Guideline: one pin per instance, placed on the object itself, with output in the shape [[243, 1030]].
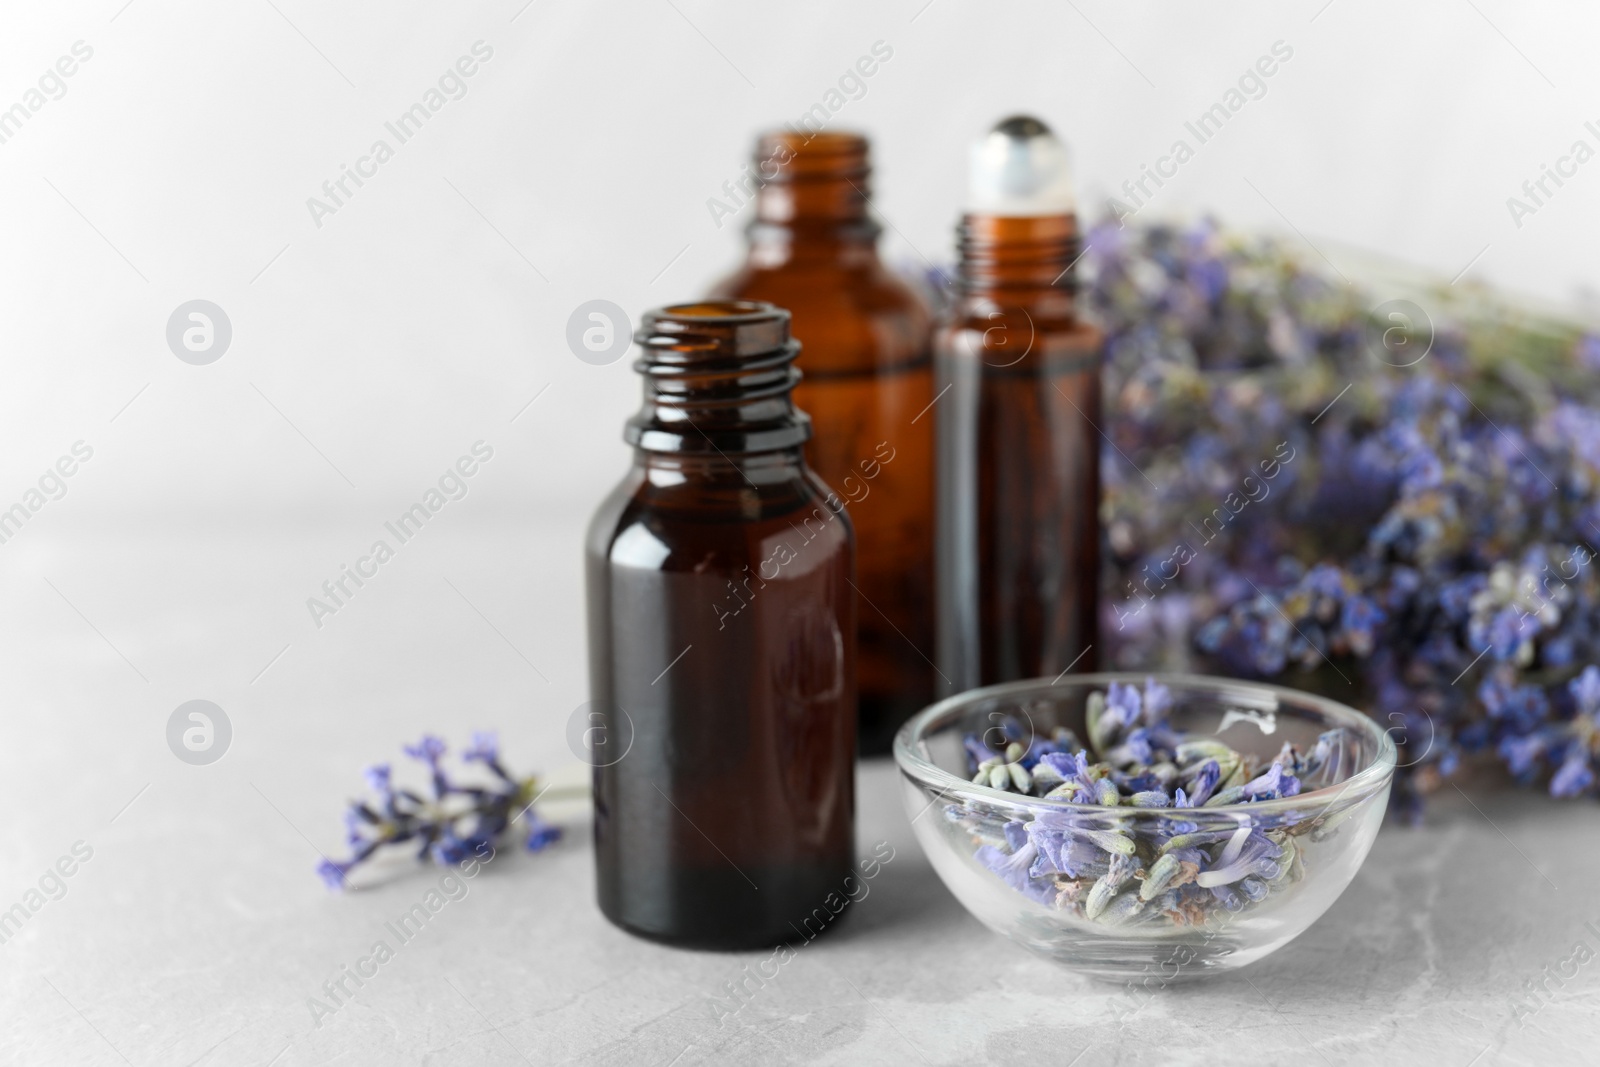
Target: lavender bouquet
[[1393, 503]]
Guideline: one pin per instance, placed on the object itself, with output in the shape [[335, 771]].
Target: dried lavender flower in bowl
[[1159, 826]]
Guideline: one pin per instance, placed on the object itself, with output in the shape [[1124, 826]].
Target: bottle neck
[[1014, 259], [846, 245], [735, 471], [811, 200], [718, 378]]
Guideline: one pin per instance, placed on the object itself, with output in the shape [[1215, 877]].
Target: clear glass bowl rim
[[1371, 777]]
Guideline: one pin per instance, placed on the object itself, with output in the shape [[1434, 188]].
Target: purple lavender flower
[[1204, 782], [1157, 702], [1398, 539], [1271, 785], [1523, 754], [1061, 850], [1250, 852], [484, 748], [378, 778], [1574, 776], [459, 822], [1588, 351], [332, 873], [430, 750], [1585, 690], [1013, 869], [1122, 706], [1080, 855], [1136, 748], [540, 834], [1072, 769], [1228, 897], [1360, 617], [1326, 581]]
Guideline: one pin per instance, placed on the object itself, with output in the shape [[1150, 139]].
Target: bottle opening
[[819, 178], [717, 378], [690, 332], [798, 155], [717, 309]]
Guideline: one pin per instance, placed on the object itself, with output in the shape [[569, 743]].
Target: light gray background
[[369, 353]]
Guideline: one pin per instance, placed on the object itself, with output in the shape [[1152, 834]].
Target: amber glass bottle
[[721, 646], [1018, 449], [867, 385]]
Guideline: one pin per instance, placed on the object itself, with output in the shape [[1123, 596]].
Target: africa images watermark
[[1252, 85], [784, 553], [51, 85], [1542, 189], [199, 332], [1537, 992], [338, 591], [336, 192], [853, 889], [199, 732], [852, 85], [405, 928], [52, 886], [52, 485], [1254, 490], [1533, 599]]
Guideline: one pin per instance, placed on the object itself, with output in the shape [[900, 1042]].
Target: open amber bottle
[[867, 386], [721, 646]]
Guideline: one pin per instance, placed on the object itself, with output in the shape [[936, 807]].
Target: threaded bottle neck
[[717, 379], [1017, 252], [812, 186]]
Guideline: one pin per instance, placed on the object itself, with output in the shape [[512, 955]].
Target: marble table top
[[192, 930]]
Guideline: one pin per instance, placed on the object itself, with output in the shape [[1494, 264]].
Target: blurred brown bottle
[[1018, 449], [867, 385]]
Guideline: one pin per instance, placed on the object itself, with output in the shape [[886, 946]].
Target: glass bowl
[[999, 851]]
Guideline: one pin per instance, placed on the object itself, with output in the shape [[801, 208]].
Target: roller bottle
[[1018, 449]]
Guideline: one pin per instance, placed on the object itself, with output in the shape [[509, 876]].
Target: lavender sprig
[[456, 822]]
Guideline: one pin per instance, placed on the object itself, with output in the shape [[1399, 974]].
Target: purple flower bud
[[1122, 705], [485, 748], [448, 851], [1012, 869], [332, 874], [1204, 783], [1585, 689], [540, 834], [977, 752], [1575, 775], [1157, 701], [378, 778], [430, 750], [1248, 853]]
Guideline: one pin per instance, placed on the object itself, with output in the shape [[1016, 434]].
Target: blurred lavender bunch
[[456, 823], [1399, 511]]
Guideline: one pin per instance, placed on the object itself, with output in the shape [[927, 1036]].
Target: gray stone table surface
[[196, 933]]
